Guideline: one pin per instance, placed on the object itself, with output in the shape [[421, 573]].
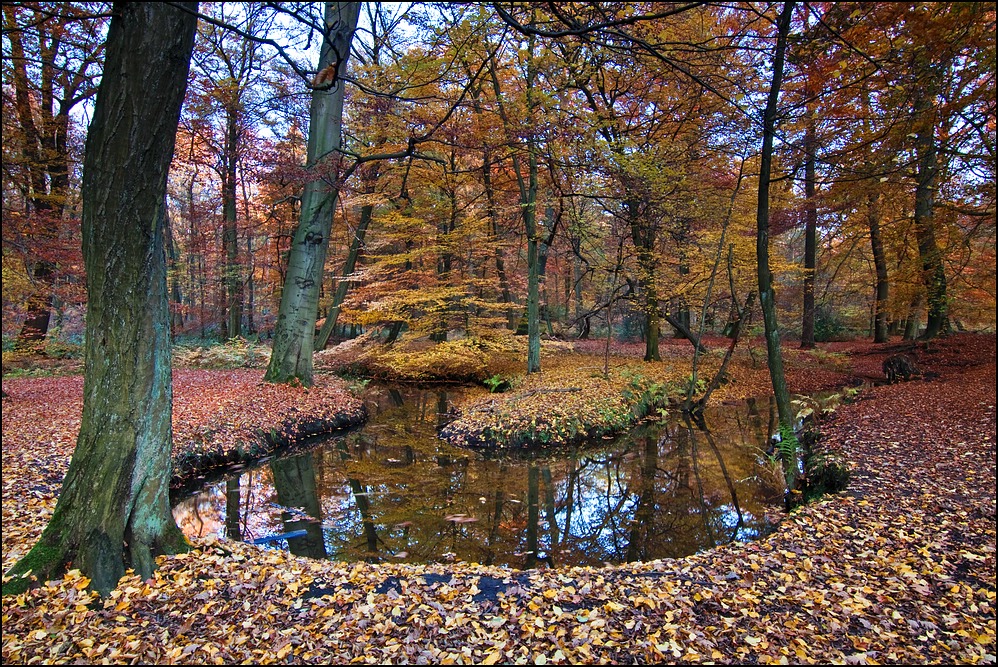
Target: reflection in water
[[294, 482], [393, 490]]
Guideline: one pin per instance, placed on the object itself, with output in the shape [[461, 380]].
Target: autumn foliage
[[587, 173], [900, 568]]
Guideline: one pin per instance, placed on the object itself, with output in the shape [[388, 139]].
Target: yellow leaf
[[492, 658]]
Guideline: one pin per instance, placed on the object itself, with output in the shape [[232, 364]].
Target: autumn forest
[[635, 145], [221, 221]]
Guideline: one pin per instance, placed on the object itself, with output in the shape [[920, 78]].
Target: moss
[[826, 473], [42, 560], [547, 416]]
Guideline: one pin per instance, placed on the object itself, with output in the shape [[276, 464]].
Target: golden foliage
[[899, 570]]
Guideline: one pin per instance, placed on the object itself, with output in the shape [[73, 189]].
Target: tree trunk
[[291, 358], [36, 323], [810, 237], [577, 288], [767, 295], [172, 261], [643, 237], [681, 312], [880, 334], [715, 382], [528, 202], [933, 273], [233, 278], [527, 185], [114, 511], [353, 254], [911, 323]]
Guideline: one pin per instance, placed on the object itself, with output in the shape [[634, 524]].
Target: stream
[[391, 491]]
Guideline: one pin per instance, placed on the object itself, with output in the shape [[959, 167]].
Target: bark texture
[[113, 511], [294, 335]]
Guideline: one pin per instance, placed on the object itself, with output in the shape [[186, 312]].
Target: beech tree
[[114, 511], [291, 359]]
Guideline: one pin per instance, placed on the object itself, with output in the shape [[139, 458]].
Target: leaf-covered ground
[[571, 400], [900, 568], [219, 417]]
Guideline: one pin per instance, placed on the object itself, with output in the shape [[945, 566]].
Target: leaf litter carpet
[[899, 568]]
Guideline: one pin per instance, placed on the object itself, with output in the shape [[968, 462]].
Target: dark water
[[392, 491]]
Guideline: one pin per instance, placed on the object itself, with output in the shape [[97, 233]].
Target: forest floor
[[899, 568]]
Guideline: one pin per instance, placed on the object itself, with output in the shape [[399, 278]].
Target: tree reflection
[[644, 511], [361, 496], [294, 482], [232, 530], [393, 489]]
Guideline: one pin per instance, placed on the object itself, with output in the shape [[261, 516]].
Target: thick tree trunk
[[767, 295], [291, 359], [113, 511]]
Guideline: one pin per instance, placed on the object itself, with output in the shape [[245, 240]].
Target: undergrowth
[[234, 353], [559, 412]]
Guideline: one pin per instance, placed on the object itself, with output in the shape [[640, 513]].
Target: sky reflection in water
[[392, 491]]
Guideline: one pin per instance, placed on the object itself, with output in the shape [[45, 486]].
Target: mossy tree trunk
[[114, 511], [294, 334], [767, 295]]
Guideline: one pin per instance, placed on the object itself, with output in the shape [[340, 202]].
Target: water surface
[[392, 491]]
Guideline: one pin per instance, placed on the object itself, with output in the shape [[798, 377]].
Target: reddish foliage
[[219, 417], [899, 568]]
